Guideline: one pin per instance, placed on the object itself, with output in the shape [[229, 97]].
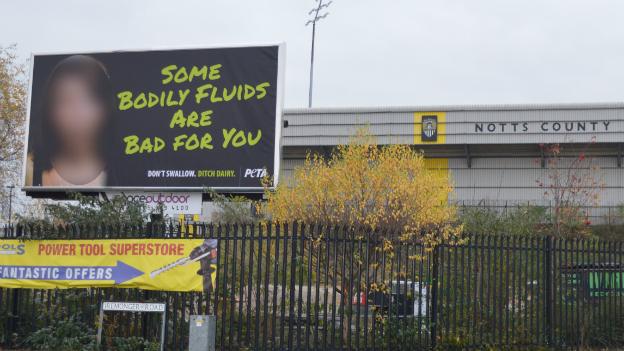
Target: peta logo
[[255, 173], [12, 249]]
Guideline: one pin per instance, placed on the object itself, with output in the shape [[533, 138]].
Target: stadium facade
[[494, 154]]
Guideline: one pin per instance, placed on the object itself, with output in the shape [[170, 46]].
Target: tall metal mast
[[317, 16]]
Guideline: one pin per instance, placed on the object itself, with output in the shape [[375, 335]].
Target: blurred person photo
[[73, 125]]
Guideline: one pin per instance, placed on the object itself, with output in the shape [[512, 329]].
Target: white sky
[[369, 53]]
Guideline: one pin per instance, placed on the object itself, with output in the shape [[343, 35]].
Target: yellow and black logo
[[429, 127], [429, 130]]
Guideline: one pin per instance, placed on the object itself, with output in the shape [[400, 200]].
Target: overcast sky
[[369, 53]]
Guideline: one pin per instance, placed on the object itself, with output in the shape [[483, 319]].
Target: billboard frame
[[279, 117]]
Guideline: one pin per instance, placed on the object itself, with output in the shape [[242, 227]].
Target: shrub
[[63, 335], [134, 344], [523, 220]]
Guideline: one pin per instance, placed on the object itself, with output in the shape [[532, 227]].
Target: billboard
[[152, 264], [162, 119]]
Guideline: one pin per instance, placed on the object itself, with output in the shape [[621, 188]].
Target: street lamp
[[317, 17]]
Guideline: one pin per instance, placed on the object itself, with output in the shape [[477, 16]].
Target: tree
[[377, 196], [13, 96], [363, 184], [572, 184]]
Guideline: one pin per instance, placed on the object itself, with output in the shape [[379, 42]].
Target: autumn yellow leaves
[[364, 184]]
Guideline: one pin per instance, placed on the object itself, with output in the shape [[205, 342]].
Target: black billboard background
[[141, 72]]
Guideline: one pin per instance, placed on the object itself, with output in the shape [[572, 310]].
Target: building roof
[[475, 107]]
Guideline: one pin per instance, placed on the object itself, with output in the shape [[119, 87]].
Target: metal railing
[[312, 287]]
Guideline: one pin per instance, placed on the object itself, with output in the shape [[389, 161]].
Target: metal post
[[162, 330], [434, 296], [311, 65], [10, 203], [548, 289], [101, 321], [14, 310]]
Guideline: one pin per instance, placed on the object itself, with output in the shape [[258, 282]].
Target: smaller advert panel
[[173, 203], [151, 264]]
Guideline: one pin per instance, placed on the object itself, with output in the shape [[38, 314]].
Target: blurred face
[[77, 114]]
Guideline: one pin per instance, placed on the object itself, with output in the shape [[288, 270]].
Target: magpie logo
[[429, 128]]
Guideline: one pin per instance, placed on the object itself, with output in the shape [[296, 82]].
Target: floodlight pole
[[315, 11], [311, 66]]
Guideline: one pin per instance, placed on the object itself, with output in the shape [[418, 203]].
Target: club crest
[[429, 128]]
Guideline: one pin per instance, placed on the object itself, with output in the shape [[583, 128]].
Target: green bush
[[73, 335], [403, 335], [453, 343], [63, 335], [134, 344], [522, 220]]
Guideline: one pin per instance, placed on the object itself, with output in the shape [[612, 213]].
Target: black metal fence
[[302, 287]]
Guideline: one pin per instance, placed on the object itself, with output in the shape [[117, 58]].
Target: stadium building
[[494, 154]]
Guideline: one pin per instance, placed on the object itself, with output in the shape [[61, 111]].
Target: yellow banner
[[152, 264]]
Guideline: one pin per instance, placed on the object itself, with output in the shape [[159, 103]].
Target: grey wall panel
[[512, 179], [507, 179], [338, 140], [498, 194], [396, 125], [336, 128], [497, 162], [607, 197], [287, 168]]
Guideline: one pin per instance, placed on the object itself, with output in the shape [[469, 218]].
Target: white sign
[[133, 306], [174, 203]]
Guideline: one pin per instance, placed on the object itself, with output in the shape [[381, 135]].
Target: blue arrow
[[124, 272], [119, 273]]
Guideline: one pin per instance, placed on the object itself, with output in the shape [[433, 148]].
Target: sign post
[[110, 306]]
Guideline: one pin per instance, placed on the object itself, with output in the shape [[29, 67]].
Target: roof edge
[[456, 108]]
